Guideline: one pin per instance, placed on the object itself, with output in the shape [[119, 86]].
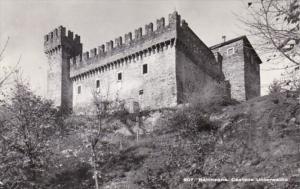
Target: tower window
[[230, 51], [98, 84], [145, 68], [251, 59], [79, 89], [119, 76], [141, 92]]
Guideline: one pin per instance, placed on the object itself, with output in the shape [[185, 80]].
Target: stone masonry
[[152, 69], [241, 66]]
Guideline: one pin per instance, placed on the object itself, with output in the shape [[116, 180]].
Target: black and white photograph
[[149, 94]]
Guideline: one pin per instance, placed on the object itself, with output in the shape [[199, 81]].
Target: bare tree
[[6, 72], [97, 130], [275, 23], [98, 133]]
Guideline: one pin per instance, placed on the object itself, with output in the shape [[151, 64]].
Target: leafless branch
[[3, 49], [276, 25], [12, 71]]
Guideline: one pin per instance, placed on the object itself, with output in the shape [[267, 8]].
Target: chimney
[[224, 38]]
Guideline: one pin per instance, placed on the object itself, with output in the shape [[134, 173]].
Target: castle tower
[[241, 67], [59, 48]]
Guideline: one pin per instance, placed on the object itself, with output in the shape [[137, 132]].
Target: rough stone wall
[[54, 78], [66, 84], [198, 52], [178, 62], [153, 90], [196, 65], [252, 72], [59, 85], [158, 85], [190, 77], [59, 48], [233, 68]]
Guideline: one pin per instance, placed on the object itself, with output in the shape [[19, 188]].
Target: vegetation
[[275, 87], [206, 138], [276, 24], [27, 125], [275, 27]]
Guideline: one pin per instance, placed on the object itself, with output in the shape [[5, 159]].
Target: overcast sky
[[97, 21]]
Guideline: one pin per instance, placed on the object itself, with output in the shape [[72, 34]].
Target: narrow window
[[252, 59], [141, 92], [98, 84], [230, 51], [119, 76], [79, 89], [145, 68]]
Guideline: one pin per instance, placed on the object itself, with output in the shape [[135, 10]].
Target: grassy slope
[[258, 138]]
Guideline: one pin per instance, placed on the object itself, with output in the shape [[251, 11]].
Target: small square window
[[141, 92], [145, 68], [230, 51], [78, 89], [119, 76], [98, 84]]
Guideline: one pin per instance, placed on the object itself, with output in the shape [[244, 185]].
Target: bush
[[190, 122], [180, 149], [72, 174], [26, 132], [275, 87]]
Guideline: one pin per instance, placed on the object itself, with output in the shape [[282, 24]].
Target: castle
[[154, 69]]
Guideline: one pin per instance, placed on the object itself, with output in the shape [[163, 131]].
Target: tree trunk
[[95, 169]]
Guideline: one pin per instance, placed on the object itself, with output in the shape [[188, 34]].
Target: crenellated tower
[[59, 48]]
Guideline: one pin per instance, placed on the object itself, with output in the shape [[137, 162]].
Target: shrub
[[26, 132], [275, 87]]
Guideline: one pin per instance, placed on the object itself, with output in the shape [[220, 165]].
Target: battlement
[[142, 40], [147, 42], [58, 39]]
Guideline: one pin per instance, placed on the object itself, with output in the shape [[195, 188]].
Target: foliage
[[276, 24], [179, 150], [71, 174], [289, 83], [291, 80], [94, 138], [275, 87], [27, 124]]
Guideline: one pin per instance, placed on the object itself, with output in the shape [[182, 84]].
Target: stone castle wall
[[252, 72], [59, 48], [233, 68], [54, 78], [241, 66], [196, 65], [155, 89], [176, 60], [151, 90]]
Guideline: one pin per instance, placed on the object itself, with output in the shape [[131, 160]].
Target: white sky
[[97, 21]]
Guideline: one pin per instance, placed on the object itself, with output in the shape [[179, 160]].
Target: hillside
[[256, 139]]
